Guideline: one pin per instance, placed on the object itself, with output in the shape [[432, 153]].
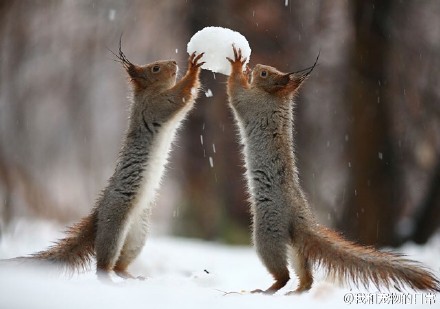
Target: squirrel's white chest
[[157, 161]]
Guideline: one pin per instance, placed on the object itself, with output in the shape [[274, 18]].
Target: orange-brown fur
[[76, 250], [349, 262]]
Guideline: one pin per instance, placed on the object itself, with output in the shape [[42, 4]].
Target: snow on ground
[[181, 273]]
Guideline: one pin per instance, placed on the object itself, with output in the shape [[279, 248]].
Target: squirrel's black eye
[[155, 69], [263, 73]]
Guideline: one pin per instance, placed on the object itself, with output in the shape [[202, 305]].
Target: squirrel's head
[[273, 81], [159, 75], [156, 76]]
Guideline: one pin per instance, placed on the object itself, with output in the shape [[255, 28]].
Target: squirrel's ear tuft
[[137, 77], [298, 77], [135, 72], [132, 70], [295, 80]]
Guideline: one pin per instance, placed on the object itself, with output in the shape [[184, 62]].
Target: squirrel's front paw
[[193, 62], [238, 58]]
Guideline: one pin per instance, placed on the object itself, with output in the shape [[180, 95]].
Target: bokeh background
[[367, 120]]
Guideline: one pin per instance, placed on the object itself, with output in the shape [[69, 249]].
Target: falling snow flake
[[111, 14], [208, 93]]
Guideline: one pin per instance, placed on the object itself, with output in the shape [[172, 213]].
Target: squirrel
[[284, 228], [115, 231]]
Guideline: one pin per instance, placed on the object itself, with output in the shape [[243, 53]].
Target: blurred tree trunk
[[214, 204], [414, 65], [5, 193], [371, 212], [428, 219]]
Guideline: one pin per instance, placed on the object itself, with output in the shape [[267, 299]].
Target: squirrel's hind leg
[[122, 272], [110, 236], [280, 282], [125, 259], [302, 269], [134, 242], [273, 255]]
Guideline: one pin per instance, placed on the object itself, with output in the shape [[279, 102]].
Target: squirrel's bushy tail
[[347, 261], [74, 252]]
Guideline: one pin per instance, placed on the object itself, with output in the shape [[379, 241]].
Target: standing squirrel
[[284, 227], [116, 229]]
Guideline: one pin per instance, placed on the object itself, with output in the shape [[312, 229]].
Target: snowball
[[216, 43]]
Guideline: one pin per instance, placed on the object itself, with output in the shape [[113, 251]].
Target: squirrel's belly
[[155, 168], [157, 161]]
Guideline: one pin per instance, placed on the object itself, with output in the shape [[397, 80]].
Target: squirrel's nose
[[174, 62]]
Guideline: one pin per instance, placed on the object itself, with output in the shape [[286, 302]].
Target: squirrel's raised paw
[[238, 58], [193, 60]]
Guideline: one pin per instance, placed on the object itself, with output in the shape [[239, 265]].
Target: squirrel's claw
[[237, 56], [198, 57], [194, 58]]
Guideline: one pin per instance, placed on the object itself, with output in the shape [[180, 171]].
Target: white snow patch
[[181, 273], [216, 43]]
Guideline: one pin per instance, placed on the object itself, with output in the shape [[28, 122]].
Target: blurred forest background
[[367, 121]]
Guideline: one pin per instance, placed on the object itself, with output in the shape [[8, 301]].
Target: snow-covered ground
[[181, 273]]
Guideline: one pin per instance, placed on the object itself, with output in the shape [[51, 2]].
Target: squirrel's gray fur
[[284, 228], [116, 229]]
